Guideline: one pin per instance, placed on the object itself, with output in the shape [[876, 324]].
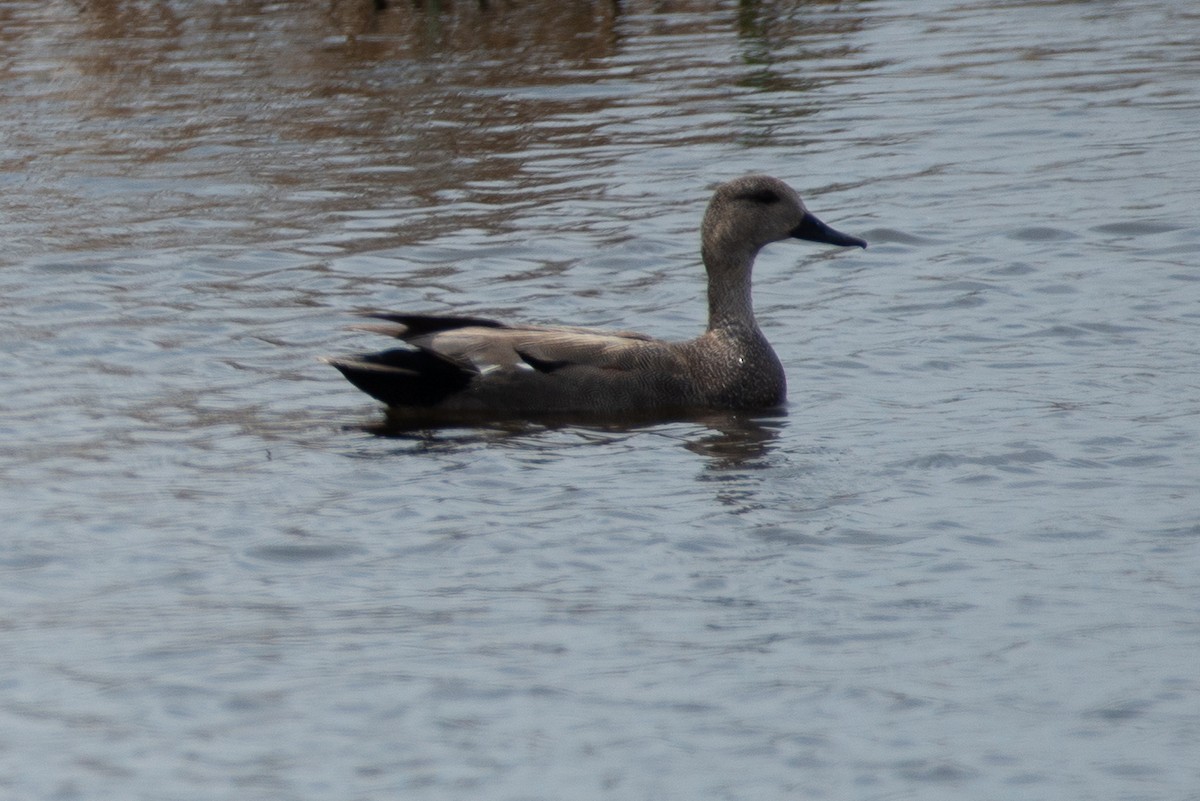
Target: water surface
[[962, 564]]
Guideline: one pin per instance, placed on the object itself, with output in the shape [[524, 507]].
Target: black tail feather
[[420, 324], [404, 377]]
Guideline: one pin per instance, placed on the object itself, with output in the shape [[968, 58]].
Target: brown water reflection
[[210, 573], [433, 91], [389, 127], [540, 32]]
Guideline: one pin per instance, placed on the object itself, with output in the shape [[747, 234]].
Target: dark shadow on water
[[738, 441], [728, 439]]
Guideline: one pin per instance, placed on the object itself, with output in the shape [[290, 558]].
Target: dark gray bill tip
[[813, 230]]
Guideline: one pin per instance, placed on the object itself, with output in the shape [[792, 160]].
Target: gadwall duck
[[469, 366]]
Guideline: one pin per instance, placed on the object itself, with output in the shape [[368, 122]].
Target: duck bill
[[814, 230]]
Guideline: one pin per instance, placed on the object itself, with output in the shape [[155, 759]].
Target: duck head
[[747, 213]]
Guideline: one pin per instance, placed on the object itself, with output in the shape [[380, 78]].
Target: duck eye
[[764, 196]]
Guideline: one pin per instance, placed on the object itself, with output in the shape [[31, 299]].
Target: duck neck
[[729, 301]]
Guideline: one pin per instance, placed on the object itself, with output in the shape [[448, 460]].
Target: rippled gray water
[[964, 564]]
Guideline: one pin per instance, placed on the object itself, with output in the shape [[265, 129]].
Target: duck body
[[470, 365], [467, 366]]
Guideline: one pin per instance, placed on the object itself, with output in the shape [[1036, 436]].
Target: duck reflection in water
[[730, 440]]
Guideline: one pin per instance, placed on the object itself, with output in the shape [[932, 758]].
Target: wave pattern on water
[[959, 564]]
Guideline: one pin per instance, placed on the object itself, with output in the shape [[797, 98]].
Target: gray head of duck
[[747, 213]]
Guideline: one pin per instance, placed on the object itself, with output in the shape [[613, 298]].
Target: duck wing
[[470, 363]]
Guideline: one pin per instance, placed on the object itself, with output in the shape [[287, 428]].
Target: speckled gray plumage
[[478, 366]]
